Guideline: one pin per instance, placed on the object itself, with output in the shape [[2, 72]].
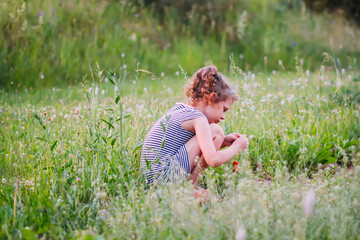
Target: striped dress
[[164, 156]]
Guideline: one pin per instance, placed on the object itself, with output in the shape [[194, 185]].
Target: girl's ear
[[212, 98]]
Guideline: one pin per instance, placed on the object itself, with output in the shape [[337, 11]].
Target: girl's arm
[[213, 157]]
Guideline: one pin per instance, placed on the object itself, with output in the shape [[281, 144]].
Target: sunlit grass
[[70, 161]]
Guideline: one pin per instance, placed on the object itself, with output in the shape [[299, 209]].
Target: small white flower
[[273, 72], [309, 202], [252, 77], [100, 73], [307, 73], [90, 90], [124, 66], [3, 180], [106, 79], [116, 89], [241, 56], [177, 73], [301, 61], [134, 82], [162, 74], [102, 92], [123, 55], [280, 63], [96, 91], [41, 75]]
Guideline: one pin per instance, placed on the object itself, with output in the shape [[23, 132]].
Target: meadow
[[70, 160], [82, 83]]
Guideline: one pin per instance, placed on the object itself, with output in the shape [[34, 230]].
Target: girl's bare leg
[[194, 151]]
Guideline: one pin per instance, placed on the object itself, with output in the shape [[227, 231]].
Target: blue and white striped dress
[[164, 156]]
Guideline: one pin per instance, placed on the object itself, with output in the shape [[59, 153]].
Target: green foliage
[[52, 43]]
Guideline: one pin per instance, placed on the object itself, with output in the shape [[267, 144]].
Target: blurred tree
[[348, 8]]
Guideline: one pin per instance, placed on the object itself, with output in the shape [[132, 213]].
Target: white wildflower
[[123, 55], [102, 92], [96, 91]]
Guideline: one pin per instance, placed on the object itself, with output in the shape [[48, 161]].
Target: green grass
[[51, 43], [69, 160]]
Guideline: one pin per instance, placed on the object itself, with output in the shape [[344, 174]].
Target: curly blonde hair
[[206, 81]]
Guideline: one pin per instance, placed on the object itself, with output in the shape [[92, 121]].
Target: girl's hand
[[229, 139], [242, 143]]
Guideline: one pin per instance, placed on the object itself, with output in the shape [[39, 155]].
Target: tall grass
[[48, 43]]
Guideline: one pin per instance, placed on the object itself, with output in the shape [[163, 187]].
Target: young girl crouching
[[191, 130]]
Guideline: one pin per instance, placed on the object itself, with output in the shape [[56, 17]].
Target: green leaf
[[117, 99], [163, 127], [125, 116], [112, 81], [148, 164], [42, 139], [163, 143], [113, 142], [331, 160], [137, 146], [110, 125], [54, 144], [87, 96], [351, 143]]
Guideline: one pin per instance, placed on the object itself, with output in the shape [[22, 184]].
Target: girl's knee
[[216, 130]]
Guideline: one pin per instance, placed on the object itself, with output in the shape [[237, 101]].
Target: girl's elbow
[[211, 162]]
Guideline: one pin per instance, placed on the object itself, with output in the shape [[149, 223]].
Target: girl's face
[[216, 112]]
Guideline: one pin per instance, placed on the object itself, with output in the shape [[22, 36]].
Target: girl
[[188, 139]]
